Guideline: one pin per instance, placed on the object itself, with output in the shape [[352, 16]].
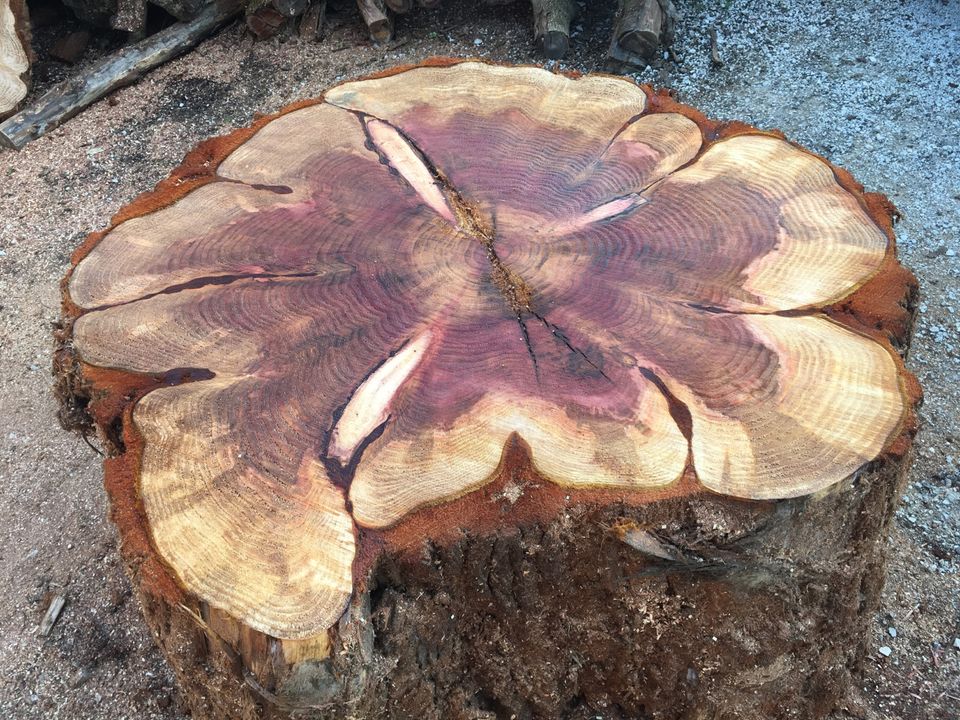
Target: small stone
[[956, 643], [892, 631], [79, 677], [478, 41], [951, 252], [885, 651]]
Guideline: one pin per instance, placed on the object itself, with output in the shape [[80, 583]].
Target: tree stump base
[[480, 392]]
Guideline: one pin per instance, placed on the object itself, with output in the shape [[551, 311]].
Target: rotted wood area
[[600, 409]]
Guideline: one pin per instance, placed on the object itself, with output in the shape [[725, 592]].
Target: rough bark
[[551, 26], [311, 24], [266, 18], [599, 410], [640, 29], [69, 48], [15, 55], [378, 21], [62, 102]]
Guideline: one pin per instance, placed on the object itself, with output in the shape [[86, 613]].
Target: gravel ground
[[873, 86]]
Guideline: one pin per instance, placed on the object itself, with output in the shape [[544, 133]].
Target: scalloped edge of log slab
[[742, 608], [16, 56]]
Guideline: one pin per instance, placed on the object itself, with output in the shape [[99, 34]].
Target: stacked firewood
[[640, 27]]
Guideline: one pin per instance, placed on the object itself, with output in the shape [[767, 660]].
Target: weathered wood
[[15, 55], [377, 19], [126, 66], [311, 23], [50, 617], [264, 19], [70, 47], [551, 26], [400, 6], [640, 28], [714, 52], [469, 389]]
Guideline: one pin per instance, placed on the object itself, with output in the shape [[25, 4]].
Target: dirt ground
[[873, 86]]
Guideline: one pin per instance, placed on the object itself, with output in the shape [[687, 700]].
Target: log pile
[[641, 25], [470, 391], [640, 28]]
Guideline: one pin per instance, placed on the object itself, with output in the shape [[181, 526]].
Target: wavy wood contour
[[325, 333], [15, 55]]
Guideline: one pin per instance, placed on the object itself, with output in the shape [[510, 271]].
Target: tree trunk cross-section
[[472, 391], [15, 55]]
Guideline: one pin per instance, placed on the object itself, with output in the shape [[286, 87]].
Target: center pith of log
[[375, 302]]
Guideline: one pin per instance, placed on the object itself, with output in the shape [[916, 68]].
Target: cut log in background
[[472, 391], [640, 28]]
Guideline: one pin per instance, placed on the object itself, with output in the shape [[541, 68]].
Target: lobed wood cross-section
[[368, 304], [15, 55]]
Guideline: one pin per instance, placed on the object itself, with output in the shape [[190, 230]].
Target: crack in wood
[[562, 337], [468, 219], [365, 414], [679, 410], [275, 189], [208, 281], [716, 310]]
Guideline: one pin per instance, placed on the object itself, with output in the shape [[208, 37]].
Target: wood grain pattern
[[371, 302], [15, 55]]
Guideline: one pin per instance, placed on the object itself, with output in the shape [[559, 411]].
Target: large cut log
[[15, 55], [470, 391]]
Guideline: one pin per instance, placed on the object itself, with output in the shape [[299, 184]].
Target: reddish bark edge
[[882, 308]]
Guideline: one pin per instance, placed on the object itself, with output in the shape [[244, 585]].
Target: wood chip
[[53, 612]]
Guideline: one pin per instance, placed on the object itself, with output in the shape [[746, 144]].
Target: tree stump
[[470, 391]]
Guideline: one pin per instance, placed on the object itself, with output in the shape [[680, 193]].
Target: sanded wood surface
[[15, 55], [329, 333]]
